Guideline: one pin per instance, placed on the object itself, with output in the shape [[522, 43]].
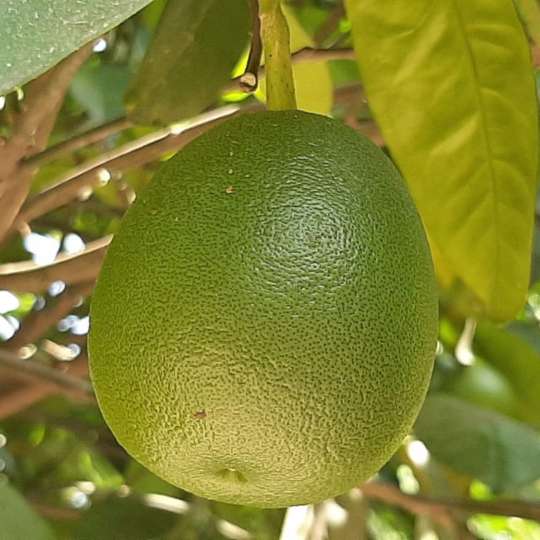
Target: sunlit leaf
[[452, 89], [196, 45], [36, 34], [501, 452]]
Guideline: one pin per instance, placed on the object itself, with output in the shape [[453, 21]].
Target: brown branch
[[44, 97], [43, 372], [418, 504], [37, 323], [142, 151], [81, 140], [82, 267], [36, 388], [130, 155], [250, 79], [23, 397], [303, 55]]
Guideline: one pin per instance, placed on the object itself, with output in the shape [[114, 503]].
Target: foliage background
[[471, 468]]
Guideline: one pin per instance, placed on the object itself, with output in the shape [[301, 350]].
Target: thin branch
[[37, 323], [418, 504], [133, 154], [303, 55], [82, 267], [23, 397], [250, 79], [44, 372], [145, 150], [81, 140], [44, 97]]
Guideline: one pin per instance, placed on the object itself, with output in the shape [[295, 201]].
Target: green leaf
[[501, 452], [17, 520], [518, 361], [36, 35], [190, 59], [452, 88], [100, 88], [124, 519]]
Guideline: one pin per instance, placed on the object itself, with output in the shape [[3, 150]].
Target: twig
[[38, 323], [36, 389], [82, 267], [419, 504], [145, 150], [303, 55], [44, 97], [81, 140], [41, 371], [250, 79], [133, 154]]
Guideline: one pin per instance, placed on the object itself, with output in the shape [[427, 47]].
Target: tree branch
[[418, 504], [43, 372], [250, 79], [44, 97], [82, 267], [79, 141], [130, 155], [37, 323]]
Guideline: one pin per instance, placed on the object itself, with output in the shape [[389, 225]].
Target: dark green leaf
[[36, 34], [17, 520], [501, 452], [124, 519], [451, 86], [195, 47]]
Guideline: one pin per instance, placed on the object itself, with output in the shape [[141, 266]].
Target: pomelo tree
[[270, 297]]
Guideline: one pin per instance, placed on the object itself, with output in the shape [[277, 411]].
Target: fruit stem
[[280, 93]]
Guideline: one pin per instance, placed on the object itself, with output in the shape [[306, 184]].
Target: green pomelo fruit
[[264, 326]]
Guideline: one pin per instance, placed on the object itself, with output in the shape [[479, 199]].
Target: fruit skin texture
[[264, 326]]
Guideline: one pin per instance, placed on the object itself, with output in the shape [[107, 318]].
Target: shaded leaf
[[124, 519], [17, 520], [196, 45], [452, 89], [100, 89], [36, 35], [518, 361], [501, 452]]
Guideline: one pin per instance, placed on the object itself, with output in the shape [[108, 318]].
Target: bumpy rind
[[264, 326]]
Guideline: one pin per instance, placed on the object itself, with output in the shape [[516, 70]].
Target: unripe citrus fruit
[[264, 326]]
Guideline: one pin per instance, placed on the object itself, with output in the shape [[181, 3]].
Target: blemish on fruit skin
[[200, 415], [229, 189]]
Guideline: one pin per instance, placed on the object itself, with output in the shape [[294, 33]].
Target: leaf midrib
[[485, 136]]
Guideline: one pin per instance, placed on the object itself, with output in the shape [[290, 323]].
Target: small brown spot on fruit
[[230, 189], [199, 415]]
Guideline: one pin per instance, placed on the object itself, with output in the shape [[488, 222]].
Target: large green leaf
[[517, 359], [194, 50], [501, 452], [451, 86], [17, 520], [36, 34]]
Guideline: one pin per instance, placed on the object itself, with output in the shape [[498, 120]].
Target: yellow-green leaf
[[451, 86]]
